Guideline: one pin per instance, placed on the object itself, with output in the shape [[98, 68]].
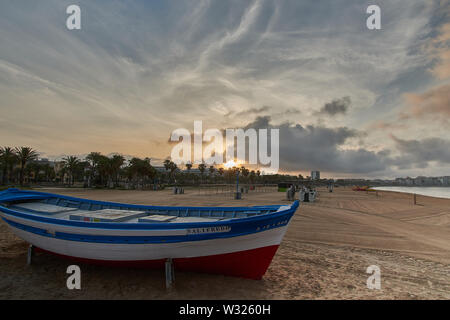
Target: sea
[[438, 192]]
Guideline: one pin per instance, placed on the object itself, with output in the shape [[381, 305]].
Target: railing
[[230, 189]]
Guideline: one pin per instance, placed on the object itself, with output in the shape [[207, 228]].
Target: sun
[[230, 164]]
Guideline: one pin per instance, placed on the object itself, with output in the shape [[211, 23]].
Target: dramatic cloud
[[305, 148], [434, 104], [336, 106], [418, 153]]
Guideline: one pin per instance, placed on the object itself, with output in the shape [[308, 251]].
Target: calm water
[[438, 192]]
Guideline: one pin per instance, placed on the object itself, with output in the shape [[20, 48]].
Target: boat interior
[[88, 211]]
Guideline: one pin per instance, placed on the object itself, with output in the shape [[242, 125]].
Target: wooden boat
[[358, 188], [236, 241], [365, 188]]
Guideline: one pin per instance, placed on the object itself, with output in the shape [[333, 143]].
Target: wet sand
[[324, 255]]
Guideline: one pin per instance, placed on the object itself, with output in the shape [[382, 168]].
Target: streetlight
[[237, 195]]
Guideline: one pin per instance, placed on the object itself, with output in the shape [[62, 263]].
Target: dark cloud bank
[[418, 153], [338, 106], [316, 147]]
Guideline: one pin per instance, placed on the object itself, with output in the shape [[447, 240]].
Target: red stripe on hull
[[251, 264]]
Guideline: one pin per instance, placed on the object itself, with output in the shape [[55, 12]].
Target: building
[[446, 181], [409, 181], [315, 175], [423, 181]]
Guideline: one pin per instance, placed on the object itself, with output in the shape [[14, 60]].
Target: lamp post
[[237, 195]]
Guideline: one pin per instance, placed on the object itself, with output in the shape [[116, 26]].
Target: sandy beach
[[324, 255]]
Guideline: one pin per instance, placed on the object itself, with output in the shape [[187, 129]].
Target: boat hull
[[246, 256], [250, 264]]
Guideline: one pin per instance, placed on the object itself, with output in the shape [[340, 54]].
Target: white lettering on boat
[[209, 230]]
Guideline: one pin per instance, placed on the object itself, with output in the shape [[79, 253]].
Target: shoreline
[[422, 191]]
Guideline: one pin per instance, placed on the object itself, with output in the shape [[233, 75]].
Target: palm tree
[[34, 169], [245, 172], [167, 164], [104, 170], [139, 169], [49, 172], [8, 158], [116, 162], [134, 169], [150, 172], [229, 174], [202, 169], [252, 176], [94, 159], [189, 167], [173, 167], [71, 163], [211, 170], [25, 155]]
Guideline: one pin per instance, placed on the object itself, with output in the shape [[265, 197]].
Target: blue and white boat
[[237, 241]]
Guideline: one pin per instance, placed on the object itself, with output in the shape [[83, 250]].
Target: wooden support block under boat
[[170, 273]]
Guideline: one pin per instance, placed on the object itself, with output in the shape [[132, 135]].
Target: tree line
[[20, 165]]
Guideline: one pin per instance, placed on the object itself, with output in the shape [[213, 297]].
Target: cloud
[[264, 110], [305, 148], [251, 111], [386, 125], [439, 46], [434, 104], [420, 152], [338, 106]]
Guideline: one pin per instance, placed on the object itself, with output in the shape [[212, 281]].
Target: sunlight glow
[[230, 164]]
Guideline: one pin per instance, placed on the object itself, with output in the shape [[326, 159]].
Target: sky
[[348, 101]]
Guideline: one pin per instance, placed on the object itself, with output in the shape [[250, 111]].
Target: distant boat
[[365, 188], [236, 241]]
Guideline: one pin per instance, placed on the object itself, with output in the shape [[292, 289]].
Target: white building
[[315, 175]]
